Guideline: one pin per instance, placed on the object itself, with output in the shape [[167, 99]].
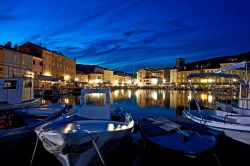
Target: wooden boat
[[88, 137], [174, 136]]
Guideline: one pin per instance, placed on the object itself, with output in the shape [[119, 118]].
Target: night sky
[[130, 34]]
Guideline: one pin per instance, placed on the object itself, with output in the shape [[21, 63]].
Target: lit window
[[10, 84]]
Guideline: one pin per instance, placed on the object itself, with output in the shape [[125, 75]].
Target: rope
[[34, 152], [96, 148], [64, 149], [216, 157], [50, 147], [175, 127]]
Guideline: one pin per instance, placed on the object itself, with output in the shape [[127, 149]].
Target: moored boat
[[17, 128], [234, 124], [175, 137], [88, 137], [17, 93]]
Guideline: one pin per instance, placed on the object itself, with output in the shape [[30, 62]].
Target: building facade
[[54, 64], [81, 77], [14, 63], [37, 66], [108, 76], [95, 78], [150, 77]]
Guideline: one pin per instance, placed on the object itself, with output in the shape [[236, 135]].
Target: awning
[[47, 78], [204, 75]]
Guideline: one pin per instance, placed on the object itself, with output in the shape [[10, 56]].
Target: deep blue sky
[[128, 34]]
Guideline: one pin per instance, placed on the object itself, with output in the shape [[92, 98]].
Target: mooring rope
[[96, 148], [34, 151]]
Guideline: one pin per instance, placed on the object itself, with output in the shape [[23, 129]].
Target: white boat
[[234, 124], [241, 105], [89, 137], [17, 93]]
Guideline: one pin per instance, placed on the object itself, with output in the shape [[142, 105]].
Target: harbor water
[[143, 103]]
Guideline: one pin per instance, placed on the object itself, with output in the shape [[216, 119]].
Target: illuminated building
[[54, 63], [178, 76], [108, 76], [150, 77], [14, 63], [81, 77]]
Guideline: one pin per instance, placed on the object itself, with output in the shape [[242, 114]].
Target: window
[[1, 69], [10, 84], [34, 62], [41, 64]]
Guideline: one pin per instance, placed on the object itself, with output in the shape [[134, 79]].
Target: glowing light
[[210, 80], [189, 98], [135, 82], [66, 100], [137, 93], [96, 95], [131, 124], [154, 95], [203, 97], [154, 81], [122, 92], [116, 82], [76, 79], [69, 127], [47, 74], [210, 98], [43, 101], [111, 127], [129, 82], [203, 80], [116, 92], [66, 77], [129, 93]]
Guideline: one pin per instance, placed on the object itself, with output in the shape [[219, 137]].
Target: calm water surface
[[145, 102]]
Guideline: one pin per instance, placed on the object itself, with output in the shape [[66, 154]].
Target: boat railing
[[233, 115], [243, 103]]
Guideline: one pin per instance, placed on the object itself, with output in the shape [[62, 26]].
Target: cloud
[[6, 17], [138, 31]]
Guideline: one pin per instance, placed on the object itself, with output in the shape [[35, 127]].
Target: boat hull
[[185, 142], [237, 131], [27, 104], [74, 144]]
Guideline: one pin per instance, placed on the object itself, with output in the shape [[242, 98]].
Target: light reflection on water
[[144, 102]]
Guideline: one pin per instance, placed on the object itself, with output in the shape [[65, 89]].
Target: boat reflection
[[143, 99]]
